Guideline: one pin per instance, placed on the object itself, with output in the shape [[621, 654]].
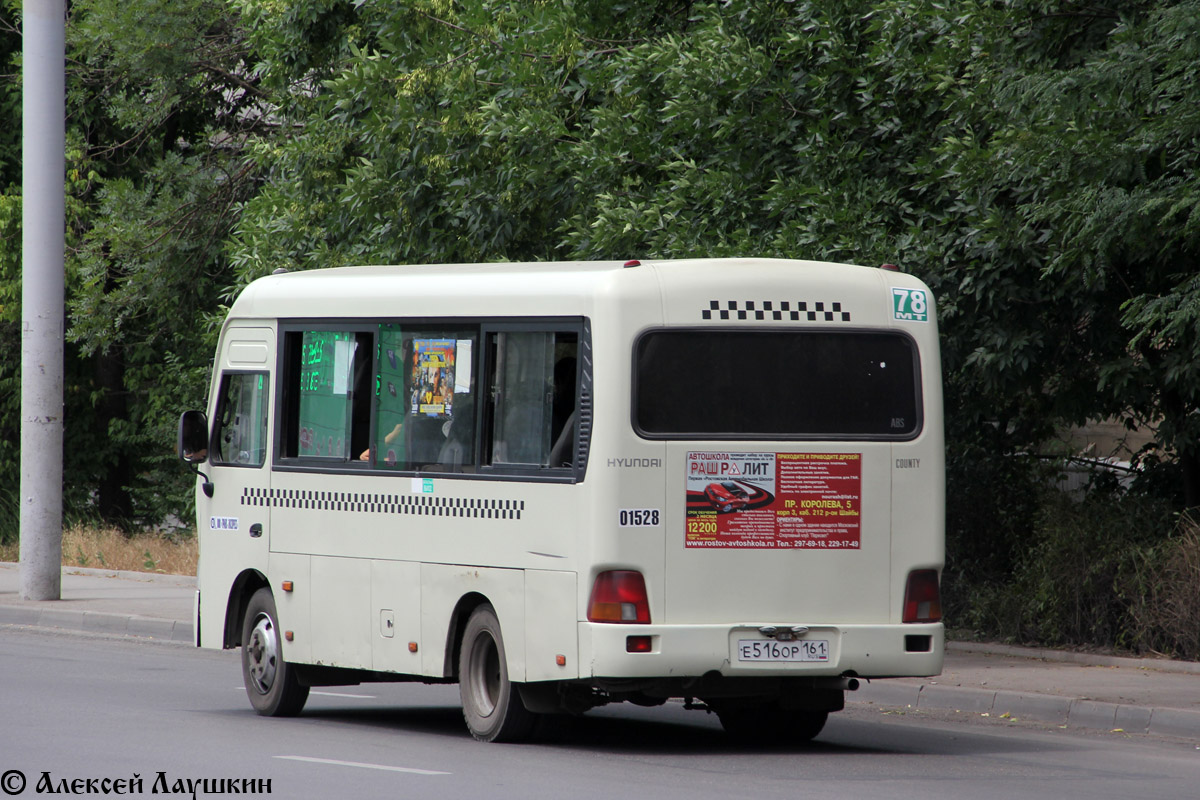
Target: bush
[[10, 516], [991, 503], [1099, 570], [1069, 587], [1165, 595]]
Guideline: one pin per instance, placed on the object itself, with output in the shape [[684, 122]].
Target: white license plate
[[771, 650]]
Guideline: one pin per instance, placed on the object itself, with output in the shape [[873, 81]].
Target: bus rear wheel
[[492, 706], [271, 682]]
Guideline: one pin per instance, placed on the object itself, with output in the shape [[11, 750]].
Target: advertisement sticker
[[774, 500], [433, 379]]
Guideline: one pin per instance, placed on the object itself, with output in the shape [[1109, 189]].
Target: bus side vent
[[585, 430], [585, 400]]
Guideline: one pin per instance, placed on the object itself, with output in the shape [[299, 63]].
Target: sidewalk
[[105, 601], [1135, 695]]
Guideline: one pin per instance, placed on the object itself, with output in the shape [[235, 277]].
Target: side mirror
[[193, 437], [193, 444]]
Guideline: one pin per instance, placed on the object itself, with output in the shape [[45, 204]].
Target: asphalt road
[[75, 708]]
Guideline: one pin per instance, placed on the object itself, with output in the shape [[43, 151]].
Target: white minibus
[[562, 485]]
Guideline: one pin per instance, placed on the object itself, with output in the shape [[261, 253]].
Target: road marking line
[[361, 765], [328, 694]]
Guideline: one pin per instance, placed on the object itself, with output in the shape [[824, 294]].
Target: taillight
[[922, 598], [619, 596], [639, 644]]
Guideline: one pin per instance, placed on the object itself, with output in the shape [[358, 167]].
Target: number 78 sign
[[910, 304]]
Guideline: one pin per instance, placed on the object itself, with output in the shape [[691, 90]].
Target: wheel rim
[[484, 678], [261, 656]]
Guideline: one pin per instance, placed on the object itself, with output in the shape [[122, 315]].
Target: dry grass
[[109, 548], [1164, 614]]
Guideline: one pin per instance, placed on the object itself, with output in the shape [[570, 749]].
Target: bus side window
[[425, 409], [240, 433], [327, 394], [533, 383]]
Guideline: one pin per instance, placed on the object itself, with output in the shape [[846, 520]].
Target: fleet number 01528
[[771, 650], [639, 517]]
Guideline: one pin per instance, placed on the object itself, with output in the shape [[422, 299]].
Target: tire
[[770, 724], [492, 706], [271, 682]]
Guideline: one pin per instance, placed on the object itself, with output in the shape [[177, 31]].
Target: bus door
[[235, 522]]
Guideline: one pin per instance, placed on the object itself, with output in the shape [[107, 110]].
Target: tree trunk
[[1189, 462], [113, 500]]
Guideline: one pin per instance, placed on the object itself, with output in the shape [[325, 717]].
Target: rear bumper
[[867, 651]]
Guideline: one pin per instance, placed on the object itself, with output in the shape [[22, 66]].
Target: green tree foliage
[[10, 267], [163, 102], [1034, 160], [160, 104], [466, 131], [433, 132], [1070, 247]]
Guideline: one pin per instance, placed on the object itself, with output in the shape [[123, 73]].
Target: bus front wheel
[[491, 704], [271, 682]]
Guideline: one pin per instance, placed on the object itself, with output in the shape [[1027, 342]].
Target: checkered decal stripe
[[783, 311], [412, 505]]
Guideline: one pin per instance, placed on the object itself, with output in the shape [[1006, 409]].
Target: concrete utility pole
[[43, 241]]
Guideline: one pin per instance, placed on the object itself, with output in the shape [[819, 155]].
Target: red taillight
[[922, 598], [639, 644], [619, 596]]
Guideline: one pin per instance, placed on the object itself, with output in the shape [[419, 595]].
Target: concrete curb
[[149, 628], [123, 574], [1072, 657], [1052, 709]]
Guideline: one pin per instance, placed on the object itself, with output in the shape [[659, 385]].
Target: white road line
[[327, 694], [361, 765]]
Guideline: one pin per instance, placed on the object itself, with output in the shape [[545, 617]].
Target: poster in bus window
[[806, 501], [433, 377]]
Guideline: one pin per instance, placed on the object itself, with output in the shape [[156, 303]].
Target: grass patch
[[1166, 595], [1113, 570], [109, 548]]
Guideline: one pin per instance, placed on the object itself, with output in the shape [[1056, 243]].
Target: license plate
[[771, 650]]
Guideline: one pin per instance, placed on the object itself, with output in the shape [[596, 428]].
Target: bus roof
[[538, 288]]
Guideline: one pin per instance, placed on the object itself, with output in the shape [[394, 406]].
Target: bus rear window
[[737, 384]]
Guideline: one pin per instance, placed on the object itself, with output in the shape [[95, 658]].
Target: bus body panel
[[796, 586], [341, 626], [551, 615], [396, 616], [870, 651], [294, 606], [443, 586], [498, 523]]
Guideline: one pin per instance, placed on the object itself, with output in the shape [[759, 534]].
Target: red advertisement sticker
[[774, 500]]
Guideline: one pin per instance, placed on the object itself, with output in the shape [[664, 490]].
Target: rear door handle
[[256, 530]]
